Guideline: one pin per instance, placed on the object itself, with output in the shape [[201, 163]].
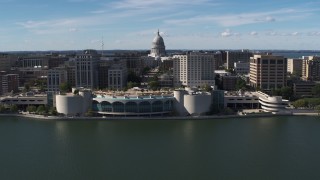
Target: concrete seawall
[[41, 117]]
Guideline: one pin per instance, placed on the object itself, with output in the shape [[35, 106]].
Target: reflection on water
[[253, 148], [188, 131]]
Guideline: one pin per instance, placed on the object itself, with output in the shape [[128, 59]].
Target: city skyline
[[132, 24]]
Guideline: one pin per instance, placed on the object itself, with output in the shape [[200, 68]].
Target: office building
[[268, 72], [194, 69], [235, 56], [56, 77], [311, 68], [241, 67], [9, 83], [294, 66], [87, 69], [117, 76]]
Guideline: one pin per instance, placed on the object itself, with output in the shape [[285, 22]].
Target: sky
[[27, 25]]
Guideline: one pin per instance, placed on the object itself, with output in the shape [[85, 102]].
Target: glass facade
[[142, 107]]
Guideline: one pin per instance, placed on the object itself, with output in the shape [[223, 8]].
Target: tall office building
[[9, 83], [295, 66], [194, 69], [236, 56], [56, 76], [311, 68], [87, 69], [7, 61], [268, 71], [117, 76]]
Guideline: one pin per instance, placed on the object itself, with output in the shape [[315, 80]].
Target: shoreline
[[57, 118]]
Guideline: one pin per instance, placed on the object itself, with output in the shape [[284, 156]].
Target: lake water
[[243, 148]]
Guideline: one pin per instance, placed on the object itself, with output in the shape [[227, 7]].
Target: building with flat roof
[[236, 56], [87, 69], [268, 72], [194, 69], [9, 83], [132, 105], [311, 68], [56, 76], [242, 67], [229, 82], [294, 66], [303, 88]]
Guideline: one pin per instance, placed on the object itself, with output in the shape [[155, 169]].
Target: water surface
[[252, 148]]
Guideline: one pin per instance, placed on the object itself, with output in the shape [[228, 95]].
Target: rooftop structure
[[158, 48]]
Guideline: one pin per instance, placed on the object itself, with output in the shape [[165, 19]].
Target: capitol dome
[[158, 48], [158, 40]]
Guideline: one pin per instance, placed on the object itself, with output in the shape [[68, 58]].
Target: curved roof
[[158, 40]]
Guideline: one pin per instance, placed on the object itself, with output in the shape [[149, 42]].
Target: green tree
[[145, 70], [313, 102], [228, 111], [316, 90], [276, 92], [154, 85], [300, 103], [53, 111], [26, 87], [317, 108], [206, 88], [155, 78], [132, 77], [2, 109], [31, 109], [241, 84], [41, 109], [65, 87], [286, 92], [13, 108], [76, 92], [131, 84]]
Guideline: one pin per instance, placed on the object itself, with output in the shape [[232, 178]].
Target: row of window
[[132, 107]]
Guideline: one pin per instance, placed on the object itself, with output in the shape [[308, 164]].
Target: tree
[[132, 77], [145, 70], [207, 88], [53, 111], [26, 88], [218, 81], [2, 109], [313, 102], [131, 84], [300, 103], [65, 87], [317, 108], [241, 84], [286, 92], [155, 78], [154, 85], [13, 108], [31, 109], [276, 92], [76, 92], [316, 90], [41, 109]]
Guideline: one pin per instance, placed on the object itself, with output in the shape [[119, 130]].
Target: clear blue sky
[[184, 24]]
